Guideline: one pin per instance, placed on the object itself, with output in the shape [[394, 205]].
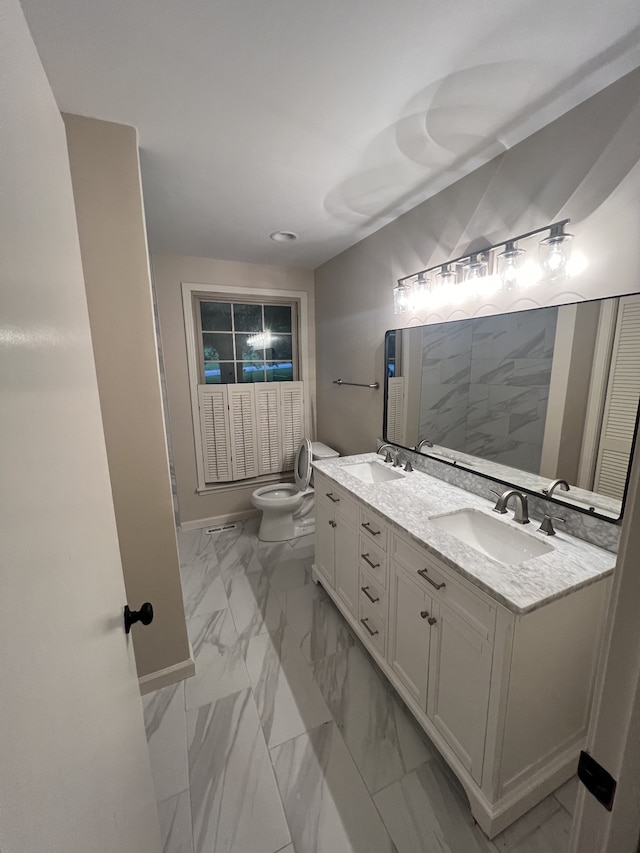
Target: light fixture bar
[[554, 228]]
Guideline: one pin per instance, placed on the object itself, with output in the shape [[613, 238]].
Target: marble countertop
[[409, 502]]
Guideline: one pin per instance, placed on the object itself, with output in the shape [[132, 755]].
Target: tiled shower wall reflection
[[485, 385]]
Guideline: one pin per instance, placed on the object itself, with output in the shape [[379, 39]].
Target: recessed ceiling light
[[283, 236]]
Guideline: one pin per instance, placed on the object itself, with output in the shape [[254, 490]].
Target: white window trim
[[193, 363]]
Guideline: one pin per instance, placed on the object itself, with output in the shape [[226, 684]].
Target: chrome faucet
[[521, 509], [562, 484], [389, 448], [421, 444]]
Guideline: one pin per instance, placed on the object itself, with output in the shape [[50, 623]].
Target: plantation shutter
[[292, 419], [214, 429], [244, 434], [395, 409], [267, 397], [621, 404]]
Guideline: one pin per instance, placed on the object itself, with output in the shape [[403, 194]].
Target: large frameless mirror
[[524, 398]]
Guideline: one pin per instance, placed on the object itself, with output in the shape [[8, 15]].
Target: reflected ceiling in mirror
[[524, 397]]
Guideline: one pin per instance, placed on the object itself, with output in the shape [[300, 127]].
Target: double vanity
[[488, 630]]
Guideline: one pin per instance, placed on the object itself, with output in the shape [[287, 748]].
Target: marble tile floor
[[288, 739]]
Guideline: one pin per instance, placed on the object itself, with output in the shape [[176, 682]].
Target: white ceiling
[[324, 117]]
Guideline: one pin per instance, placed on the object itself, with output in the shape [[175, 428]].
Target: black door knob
[[144, 615]]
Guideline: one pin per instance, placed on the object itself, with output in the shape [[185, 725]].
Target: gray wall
[[585, 165], [169, 271]]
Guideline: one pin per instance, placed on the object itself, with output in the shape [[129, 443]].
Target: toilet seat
[[302, 466]]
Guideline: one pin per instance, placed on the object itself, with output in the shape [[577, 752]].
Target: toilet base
[[274, 528]]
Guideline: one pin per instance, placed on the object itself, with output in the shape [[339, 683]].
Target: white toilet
[[287, 508]]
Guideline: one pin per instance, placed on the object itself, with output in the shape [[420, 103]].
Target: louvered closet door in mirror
[[619, 420]]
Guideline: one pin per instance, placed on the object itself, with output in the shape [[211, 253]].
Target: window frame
[[199, 297], [194, 345]]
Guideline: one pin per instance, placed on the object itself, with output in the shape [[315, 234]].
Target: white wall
[[585, 165]]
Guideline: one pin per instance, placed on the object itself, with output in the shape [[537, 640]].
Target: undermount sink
[[497, 539], [372, 472]]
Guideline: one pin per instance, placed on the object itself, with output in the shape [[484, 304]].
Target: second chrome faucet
[[521, 508]]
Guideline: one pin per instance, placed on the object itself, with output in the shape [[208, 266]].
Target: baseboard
[[167, 676], [219, 519]]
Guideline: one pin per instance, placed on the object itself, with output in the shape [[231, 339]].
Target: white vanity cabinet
[[504, 695], [337, 542], [440, 649]]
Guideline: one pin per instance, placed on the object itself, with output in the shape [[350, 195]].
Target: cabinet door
[[409, 635], [346, 563], [459, 681], [325, 562]]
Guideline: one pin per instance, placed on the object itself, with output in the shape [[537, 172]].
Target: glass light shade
[[421, 291], [509, 265], [446, 279], [474, 274], [402, 298], [555, 253]]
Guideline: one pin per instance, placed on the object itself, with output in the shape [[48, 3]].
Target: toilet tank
[[321, 451]]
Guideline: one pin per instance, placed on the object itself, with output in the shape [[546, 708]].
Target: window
[[247, 355], [246, 341]]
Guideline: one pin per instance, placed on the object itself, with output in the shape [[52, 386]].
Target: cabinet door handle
[[332, 497], [365, 557], [365, 589], [423, 574], [368, 527], [432, 620], [332, 523], [424, 613], [365, 623]]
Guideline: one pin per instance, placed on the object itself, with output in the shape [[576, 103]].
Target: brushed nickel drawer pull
[[368, 527], [365, 589], [364, 622], [332, 497], [365, 557], [423, 574]]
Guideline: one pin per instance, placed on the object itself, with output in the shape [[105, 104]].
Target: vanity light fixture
[[402, 297], [488, 270], [421, 291], [555, 252], [476, 269], [510, 264]]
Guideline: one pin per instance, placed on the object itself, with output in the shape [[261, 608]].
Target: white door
[[75, 767]]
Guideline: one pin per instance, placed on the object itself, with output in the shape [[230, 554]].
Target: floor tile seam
[[355, 763]]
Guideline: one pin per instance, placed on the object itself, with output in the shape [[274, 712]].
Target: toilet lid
[[302, 465]]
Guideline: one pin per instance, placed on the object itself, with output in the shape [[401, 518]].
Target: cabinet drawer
[[372, 627], [374, 527], [339, 500], [440, 582], [372, 595], [373, 560]]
